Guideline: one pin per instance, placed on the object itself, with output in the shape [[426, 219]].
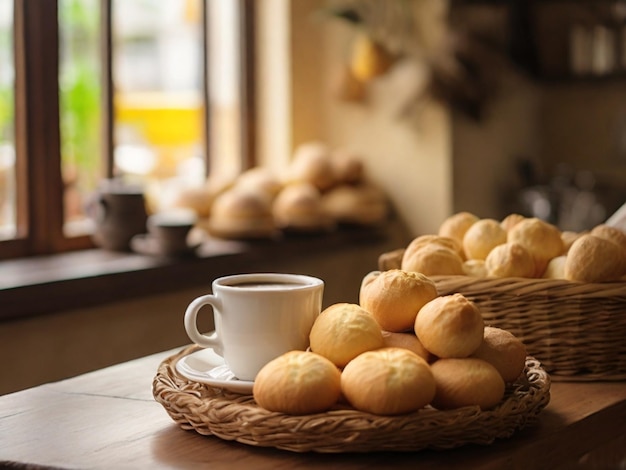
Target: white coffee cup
[[257, 317]]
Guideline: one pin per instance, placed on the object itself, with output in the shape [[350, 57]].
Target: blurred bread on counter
[[239, 213], [320, 189], [363, 204], [312, 162], [298, 207]]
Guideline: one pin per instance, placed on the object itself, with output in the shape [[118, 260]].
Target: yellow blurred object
[[348, 87], [162, 119], [369, 58], [193, 11], [169, 124]]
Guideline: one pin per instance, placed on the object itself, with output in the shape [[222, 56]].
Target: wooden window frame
[[37, 121]]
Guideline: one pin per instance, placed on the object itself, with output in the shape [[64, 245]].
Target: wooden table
[[108, 419]]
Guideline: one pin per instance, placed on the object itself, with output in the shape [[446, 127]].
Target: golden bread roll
[[510, 260], [450, 326], [298, 206], [362, 204], [429, 239], [259, 179], [198, 199], [555, 268], [540, 238], [432, 260], [407, 341], [503, 350], [568, 237], [475, 268], [394, 297], [343, 331], [594, 259], [391, 260], [511, 221], [312, 163], [612, 234], [388, 381], [456, 225], [348, 167], [482, 237], [466, 382], [242, 213], [297, 383]]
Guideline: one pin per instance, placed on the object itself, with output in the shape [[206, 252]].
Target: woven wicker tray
[[211, 411], [577, 330]]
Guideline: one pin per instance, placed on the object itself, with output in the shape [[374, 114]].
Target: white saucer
[[207, 367]]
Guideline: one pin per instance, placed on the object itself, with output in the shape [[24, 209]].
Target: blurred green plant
[[80, 89], [6, 84], [6, 113]]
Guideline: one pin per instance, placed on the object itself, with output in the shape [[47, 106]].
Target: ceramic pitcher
[[119, 213]]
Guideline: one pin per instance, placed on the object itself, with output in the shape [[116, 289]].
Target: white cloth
[[618, 219]]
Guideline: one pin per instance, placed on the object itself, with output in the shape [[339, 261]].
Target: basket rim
[[545, 287]]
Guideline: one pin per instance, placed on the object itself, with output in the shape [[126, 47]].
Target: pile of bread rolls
[[516, 246], [401, 348], [321, 188]]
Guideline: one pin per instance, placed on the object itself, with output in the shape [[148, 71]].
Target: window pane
[[80, 110], [7, 127], [158, 101], [224, 87]]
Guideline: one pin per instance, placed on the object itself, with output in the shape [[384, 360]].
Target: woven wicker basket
[[577, 330], [211, 411]]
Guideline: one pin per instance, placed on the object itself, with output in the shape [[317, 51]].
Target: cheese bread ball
[[542, 240], [433, 259], [391, 259], [555, 268], [312, 162], [388, 381], [394, 297], [456, 225], [450, 326], [568, 237], [511, 221], [297, 383], [429, 239], [504, 351], [466, 382], [298, 206], [510, 260], [612, 234], [343, 331], [242, 213], [407, 341], [482, 237], [594, 259], [475, 268]]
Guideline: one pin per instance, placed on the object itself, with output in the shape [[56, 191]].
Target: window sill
[[36, 286]]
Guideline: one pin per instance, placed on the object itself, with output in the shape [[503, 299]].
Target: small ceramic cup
[[257, 318], [169, 231]]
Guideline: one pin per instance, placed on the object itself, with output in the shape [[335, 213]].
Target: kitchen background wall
[[552, 132]]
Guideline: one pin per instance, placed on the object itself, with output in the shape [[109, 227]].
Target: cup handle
[[191, 327], [100, 208]]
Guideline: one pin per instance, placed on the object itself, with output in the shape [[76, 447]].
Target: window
[[157, 92]]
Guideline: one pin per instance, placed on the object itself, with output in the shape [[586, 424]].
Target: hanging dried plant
[[389, 31]]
